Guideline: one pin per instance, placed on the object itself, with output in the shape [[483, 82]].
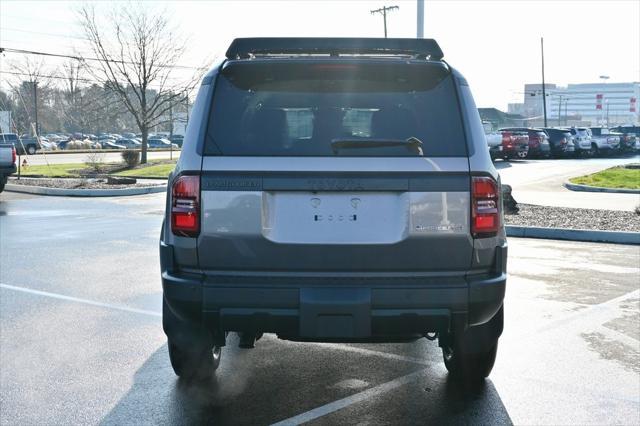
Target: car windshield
[[300, 108]]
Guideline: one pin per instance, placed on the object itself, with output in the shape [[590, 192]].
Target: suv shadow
[[279, 380]]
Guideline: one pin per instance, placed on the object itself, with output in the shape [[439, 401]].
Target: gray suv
[[334, 190]]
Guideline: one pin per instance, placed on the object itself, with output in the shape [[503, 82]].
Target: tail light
[[563, 141], [507, 139], [13, 154], [485, 211], [185, 206]]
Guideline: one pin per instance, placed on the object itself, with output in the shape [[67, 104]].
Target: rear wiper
[[411, 143]]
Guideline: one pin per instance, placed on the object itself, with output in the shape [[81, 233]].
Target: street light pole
[[544, 93], [383, 11], [420, 24]]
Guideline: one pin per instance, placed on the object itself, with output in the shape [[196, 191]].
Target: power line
[[83, 58], [42, 33]]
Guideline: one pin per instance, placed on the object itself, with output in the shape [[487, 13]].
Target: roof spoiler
[[243, 48]]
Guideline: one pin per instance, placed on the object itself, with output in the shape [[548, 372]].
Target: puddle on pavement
[[629, 322], [613, 350]]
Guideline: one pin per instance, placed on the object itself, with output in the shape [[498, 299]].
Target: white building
[[605, 104], [590, 103]]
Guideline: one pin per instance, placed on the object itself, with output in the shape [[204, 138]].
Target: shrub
[[94, 160], [131, 158]]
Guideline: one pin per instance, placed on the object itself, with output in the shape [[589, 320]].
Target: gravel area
[[561, 217], [77, 183]]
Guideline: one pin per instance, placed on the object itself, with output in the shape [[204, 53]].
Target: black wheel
[[469, 357], [1, 186], [467, 366], [594, 150], [191, 350], [31, 150], [192, 363]]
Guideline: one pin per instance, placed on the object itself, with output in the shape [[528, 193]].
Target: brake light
[[563, 141], [507, 140], [13, 154], [185, 206], [485, 211]]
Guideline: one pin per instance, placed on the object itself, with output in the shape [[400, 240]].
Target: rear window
[[328, 108]]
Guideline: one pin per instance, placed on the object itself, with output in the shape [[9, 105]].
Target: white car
[[604, 140]]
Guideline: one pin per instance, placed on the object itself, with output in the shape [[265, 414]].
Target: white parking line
[[78, 300], [350, 400], [363, 351]]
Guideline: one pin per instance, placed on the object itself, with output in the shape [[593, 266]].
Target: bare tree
[[138, 58], [30, 81]]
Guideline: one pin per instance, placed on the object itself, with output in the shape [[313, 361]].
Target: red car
[[515, 143]]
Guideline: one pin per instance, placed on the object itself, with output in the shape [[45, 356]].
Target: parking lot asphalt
[[81, 339]]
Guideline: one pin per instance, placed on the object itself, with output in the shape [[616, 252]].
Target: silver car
[[334, 190]]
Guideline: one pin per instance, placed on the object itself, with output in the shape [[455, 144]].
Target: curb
[[41, 190], [587, 188], [616, 237]]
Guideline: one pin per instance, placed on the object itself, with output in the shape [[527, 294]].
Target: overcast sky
[[495, 44]]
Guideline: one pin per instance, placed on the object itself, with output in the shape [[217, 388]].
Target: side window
[[473, 118]]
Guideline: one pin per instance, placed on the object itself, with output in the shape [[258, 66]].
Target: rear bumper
[[8, 170], [334, 309]]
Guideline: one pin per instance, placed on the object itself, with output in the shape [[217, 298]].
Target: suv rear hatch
[[323, 165]]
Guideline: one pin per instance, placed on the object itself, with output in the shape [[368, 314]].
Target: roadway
[[540, 182], [82, 342]]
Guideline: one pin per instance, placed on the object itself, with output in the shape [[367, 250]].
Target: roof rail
[[242, 48]]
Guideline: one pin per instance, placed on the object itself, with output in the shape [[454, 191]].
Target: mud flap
[[335, 313]]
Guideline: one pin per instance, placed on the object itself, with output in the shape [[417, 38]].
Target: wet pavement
[[81, 339]]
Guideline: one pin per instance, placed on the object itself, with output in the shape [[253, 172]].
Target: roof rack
[[244, 48]]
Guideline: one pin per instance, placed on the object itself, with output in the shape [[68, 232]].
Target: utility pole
[[566, 120], [35, 105], [420, 24], [383, 10], [559, 108], [544, 93], [186, 101], [170, 130]]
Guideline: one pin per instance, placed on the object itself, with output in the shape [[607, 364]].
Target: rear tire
[[192, 354], [470, 357], [469, 367]]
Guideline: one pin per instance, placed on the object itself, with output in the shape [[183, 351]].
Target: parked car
[[360, 222], [129, 143], [7, 162], [161, 143], [515, 144], [494, 140], [581, 137], [47, 145], [629, 136], [62, 144], [24, 145], [177, 139], [128, 135], [561, 142], [604, 141], [538, 141], [109, 144]]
